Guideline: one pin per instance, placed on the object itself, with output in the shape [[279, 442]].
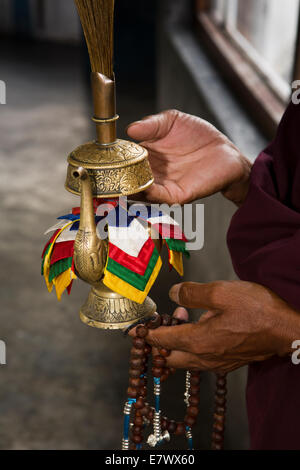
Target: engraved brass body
[[103, 308], [120, 169], [107, 310]]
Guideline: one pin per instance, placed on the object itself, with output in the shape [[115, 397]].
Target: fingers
[[184, 360], [181, 314], [152, 128], [172, 337], [158, 193], [207, 315], [196, 295]]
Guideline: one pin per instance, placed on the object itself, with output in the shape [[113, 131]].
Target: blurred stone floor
[[64, 384]]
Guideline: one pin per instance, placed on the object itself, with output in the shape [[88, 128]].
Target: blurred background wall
[[64, 384]]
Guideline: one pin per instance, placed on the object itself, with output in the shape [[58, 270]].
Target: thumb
[[152, 128], [196, 295]]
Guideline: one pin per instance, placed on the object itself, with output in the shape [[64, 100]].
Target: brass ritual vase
[[105, 167]]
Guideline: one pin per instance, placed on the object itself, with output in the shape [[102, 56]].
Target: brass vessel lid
[[119, 169], [96, 156]]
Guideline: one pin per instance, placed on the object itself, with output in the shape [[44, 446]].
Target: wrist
[[238, 190], [286, 330]]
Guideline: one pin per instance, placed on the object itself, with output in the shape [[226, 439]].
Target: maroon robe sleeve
[[264, 242]]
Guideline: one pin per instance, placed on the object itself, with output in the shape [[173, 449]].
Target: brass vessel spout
[[89, 250]]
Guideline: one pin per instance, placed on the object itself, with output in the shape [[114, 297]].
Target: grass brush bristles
[[97, 19]]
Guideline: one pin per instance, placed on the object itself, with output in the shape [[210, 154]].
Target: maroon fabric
[[264, 241]]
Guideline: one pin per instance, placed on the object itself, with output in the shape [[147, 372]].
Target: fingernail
[[174, 293]]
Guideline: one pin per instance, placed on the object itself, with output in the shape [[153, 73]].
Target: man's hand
[[190, 159], [244, 323]]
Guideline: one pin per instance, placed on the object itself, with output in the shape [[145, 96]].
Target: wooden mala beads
[[144, 415], [220, 412]]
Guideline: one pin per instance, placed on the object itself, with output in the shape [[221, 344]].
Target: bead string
[[220, 413], [144, 415]]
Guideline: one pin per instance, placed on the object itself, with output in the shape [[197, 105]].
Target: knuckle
[[173, 112], [185, 294], [217, 293]]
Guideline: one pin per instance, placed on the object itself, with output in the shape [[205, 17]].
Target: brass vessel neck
[[87, 217], [105, 117]]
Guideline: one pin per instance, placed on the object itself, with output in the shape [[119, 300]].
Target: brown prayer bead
[[139, 343], [172, 370], [180, 429], [157, 371], [136, 362], [147, 350], [166, 319], [155, 322], [141, 331], [137, 430], [140, 403], [137, 439], [194, 400], [137, 353], [218, 428], [138, 421], [221, 382], [196, 373], [217, 437], [192, 411], [132, 392], [216, 446], [195, 380], [143, 392], [134, 382], [220, 418], [159, 361], [134, 373], [190, 420], [151, 414], [144, 411], [221, 401], [195, 389], [164, 352], [221, 410], [172, 426], [222, 375]]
